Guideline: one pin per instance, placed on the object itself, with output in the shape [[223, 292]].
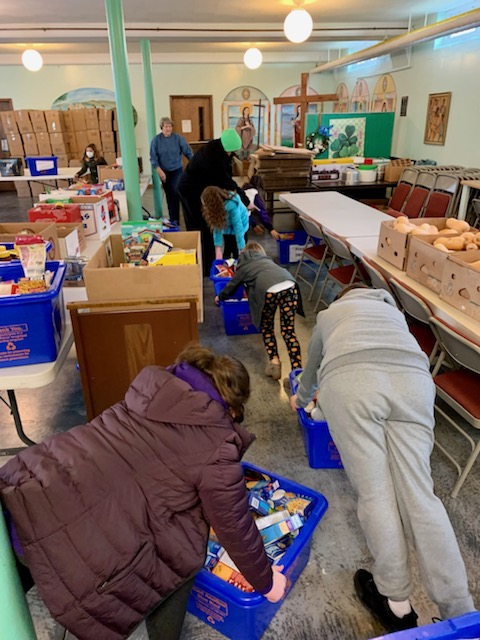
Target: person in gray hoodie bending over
[[377, 395], [268, 286]]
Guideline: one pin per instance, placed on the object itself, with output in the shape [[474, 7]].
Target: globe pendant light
[[32, 60], [252, 58], [298, 25]]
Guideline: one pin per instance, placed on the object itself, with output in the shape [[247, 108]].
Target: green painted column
[[151, 121], [121, 82], [15, 619]]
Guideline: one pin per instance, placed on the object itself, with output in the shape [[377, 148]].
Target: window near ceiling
[[459, 37]]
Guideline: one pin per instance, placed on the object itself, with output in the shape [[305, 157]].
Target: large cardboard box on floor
[[24, 123], [393, 246], [9, 122], [461, 282], [43, 143], [426, 263], [15, 144], [38, 121], [106, 281], [48, 231], [54, 120]]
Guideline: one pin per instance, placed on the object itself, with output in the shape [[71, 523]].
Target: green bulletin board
[[355, 134]]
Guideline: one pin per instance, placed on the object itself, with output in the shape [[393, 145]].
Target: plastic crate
[[236, 311], [461, 628], [245, 616], [42, 165], [31, 324], [319, 446], [290, 246]]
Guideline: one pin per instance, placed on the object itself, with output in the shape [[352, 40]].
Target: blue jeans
[[171, 192]]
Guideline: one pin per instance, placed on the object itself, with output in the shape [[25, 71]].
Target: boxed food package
[[32, 323], [393, 245], [461, 282], [393, 170], [426, 263], [106, 280], [58, 212]]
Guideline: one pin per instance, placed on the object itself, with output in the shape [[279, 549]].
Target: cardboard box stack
[[64, 134], [281, 167]]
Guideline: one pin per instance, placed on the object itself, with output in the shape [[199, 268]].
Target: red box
[[55, 213]]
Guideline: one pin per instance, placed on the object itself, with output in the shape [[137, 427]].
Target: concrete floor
[[322, 604]]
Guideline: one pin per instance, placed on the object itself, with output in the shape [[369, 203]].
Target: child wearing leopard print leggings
[[269, 287]]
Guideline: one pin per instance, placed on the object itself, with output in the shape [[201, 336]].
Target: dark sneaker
[[377, 604]]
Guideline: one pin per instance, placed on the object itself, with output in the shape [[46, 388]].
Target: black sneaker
[[377, 604]]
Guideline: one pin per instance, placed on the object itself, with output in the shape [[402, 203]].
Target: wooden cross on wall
[[304, 100]]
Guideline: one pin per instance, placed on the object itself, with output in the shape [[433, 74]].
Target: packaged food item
[[32, 251]]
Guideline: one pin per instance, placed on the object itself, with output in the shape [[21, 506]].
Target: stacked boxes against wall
[[64, 134], [281, 170]]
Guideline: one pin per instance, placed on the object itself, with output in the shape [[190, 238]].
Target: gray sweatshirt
[[363, 327]]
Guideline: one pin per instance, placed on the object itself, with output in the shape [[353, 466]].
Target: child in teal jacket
[[227, 217]]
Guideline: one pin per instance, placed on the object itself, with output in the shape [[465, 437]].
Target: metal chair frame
[[315, 253]]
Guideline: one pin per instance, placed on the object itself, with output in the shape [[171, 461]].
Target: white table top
[[363, 245], [64, 173], [31, 376], [337, 213]]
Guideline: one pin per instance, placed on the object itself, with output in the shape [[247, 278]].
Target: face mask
[[89, 154]]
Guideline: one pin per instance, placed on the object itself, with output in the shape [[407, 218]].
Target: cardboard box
[[43, 144], [108, 141], [425, 263], [39, 123], [394, 169], [109, 173], [15, 144], [95, 217], [24, 123], [105, 280], [59, 212], [461, 283], [30, 144], [81, 140], [9, 121], [62, 161], [54, 121], [23, 189], [78, 116], [110, 157], [105, 119], [393, 245], [67, 119], [71, 239], [91, 119], [70, 141], [48, 231], [93, 138], [58, 144]]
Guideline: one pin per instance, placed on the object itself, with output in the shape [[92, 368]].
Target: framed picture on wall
[[437, 118]]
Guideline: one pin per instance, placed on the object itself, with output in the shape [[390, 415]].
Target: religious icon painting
[[288, 117], [247, 110], [384, 95], [347, 137], [341, 104], [437, 118], [360, 100]]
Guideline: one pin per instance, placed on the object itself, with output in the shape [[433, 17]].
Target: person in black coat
[[210, 166]]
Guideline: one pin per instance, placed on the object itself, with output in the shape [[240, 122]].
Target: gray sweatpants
[[381, 420]]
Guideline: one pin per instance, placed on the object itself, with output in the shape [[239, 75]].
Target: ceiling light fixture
[[32, 60], [298, 25], [252, 58]]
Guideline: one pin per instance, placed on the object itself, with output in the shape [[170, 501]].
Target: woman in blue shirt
[[227, 217], [166, 157]]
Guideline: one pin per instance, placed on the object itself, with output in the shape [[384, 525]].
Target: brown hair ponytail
[[229, 375]]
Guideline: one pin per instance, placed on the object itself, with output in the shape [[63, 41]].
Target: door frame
[[205, 97]]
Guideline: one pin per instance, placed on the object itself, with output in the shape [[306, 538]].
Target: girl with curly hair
[[227, 217]]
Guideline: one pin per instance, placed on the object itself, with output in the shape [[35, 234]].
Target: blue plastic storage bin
[[461, 628], [213, 272], [236, 311], [31, 324], [42, 165], [319, 446], [11, 245], [290, 246], [245, 616]]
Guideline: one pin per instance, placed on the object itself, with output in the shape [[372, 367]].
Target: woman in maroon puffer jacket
[[112, 517]]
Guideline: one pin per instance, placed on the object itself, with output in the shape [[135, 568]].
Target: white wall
[[39, 90], [455, 68]]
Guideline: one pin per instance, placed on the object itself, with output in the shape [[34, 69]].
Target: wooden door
[[6, 104], [192, 117]]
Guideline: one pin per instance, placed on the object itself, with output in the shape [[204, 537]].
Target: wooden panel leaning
[[116, 340]]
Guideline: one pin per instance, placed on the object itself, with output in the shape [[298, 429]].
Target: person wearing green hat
[[210, 166]]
